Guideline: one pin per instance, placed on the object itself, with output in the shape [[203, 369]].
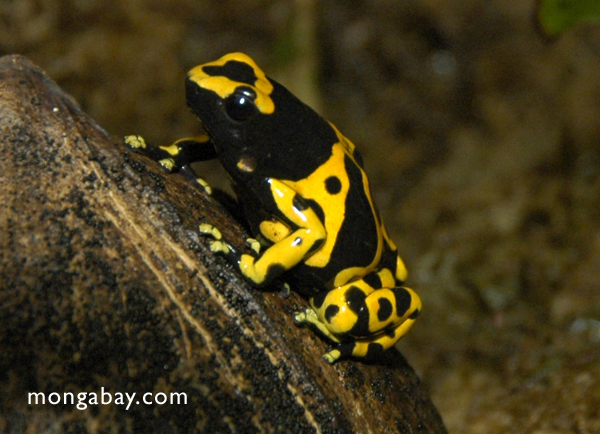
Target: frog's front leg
[[179, 155], [363, 320], [306, 235]]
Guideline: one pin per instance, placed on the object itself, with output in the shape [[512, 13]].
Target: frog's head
[[258, 126], [230, 96]]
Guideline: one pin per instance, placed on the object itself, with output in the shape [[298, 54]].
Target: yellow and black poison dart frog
[[307, 200]]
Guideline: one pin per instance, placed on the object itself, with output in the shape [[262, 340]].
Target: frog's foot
[[309, 316], [210, 230], [332, 356], [135, 142], [218, 245], [138, 143]]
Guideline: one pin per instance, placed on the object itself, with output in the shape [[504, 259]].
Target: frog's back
[[339, 190]]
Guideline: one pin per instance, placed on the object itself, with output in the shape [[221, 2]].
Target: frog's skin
[[307, 200]]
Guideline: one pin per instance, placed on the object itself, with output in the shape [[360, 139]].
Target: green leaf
[[556, 16]]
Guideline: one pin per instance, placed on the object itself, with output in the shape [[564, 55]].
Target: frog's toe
[[332, 356], [253, 244], [168, 164], [205, 185], [208, 229], [299, 318], [308, 315], [220, 247]]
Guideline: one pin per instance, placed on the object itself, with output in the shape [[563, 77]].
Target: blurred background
[[480, 134]]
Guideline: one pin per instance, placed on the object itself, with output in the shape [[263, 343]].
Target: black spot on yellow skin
[[355, 299], [237, 71], [333, 185], [385, 309], [331, 311], [403, 300]]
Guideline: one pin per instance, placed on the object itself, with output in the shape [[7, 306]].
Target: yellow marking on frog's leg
[[292, 249], [371, 347], [136, 142], [274, 230], [387, 279], [178, 155]]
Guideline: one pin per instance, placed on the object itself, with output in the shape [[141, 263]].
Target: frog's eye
[[240, 105]]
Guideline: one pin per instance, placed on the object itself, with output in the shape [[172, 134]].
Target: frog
[[308, 203]]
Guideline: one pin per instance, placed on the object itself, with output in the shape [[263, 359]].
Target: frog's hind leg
[[364, 321]]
